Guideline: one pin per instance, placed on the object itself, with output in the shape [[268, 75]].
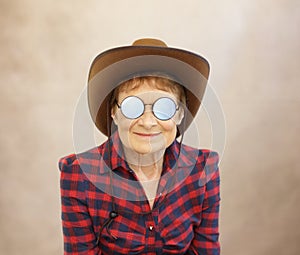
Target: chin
[[148, 148]]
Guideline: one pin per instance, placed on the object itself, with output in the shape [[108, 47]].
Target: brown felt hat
[[144, 57]]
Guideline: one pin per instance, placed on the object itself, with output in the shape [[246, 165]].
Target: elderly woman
[[143, 191]]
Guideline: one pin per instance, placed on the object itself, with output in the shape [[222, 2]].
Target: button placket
[[150, 224]]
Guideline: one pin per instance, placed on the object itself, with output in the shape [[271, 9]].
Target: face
[[146, 134]]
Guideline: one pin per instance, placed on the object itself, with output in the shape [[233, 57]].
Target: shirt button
[[150, 227]]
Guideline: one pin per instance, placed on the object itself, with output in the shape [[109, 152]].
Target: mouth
[[146, 135]]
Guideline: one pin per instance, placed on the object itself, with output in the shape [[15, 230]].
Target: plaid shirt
[[183, 220]]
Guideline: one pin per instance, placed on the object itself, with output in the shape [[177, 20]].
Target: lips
[[146, 134]]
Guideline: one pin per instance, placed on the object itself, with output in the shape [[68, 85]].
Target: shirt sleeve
[[206, 239], [79, 237]]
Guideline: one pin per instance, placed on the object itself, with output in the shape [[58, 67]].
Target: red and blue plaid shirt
[[183, 220]]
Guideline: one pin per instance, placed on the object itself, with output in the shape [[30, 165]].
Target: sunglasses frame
[[152, 105]]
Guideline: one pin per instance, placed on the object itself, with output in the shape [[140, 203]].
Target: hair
[[162, 83]]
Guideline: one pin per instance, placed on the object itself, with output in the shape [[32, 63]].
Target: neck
[[146, 166]]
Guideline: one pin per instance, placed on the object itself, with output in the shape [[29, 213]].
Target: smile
[[146, 134]]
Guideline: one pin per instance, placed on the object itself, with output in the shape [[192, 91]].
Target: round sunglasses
[[164, 108]]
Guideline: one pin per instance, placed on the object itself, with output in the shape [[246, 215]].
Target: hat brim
[[117, 65]]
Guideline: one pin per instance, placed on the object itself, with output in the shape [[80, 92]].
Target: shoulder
[[210, 168], [73, 162], [202, 156], [205, 163], [211, 158], [66, 162]]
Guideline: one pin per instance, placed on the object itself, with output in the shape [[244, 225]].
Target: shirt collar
[[176, 154], [117, 155]]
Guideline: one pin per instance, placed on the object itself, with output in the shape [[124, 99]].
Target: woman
[[142, 191]]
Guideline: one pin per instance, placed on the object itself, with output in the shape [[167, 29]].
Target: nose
[[147, 120]]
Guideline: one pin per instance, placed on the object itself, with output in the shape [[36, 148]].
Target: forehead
[[147, 94], [149, 84]]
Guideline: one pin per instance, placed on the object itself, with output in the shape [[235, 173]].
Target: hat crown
[[149, 42]]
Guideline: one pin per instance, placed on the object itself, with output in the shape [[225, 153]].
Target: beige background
[[253, 47]]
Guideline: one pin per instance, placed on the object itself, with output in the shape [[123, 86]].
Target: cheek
[[123, 127], [168, 126], [122, 124], [120, 121], [170, 130]]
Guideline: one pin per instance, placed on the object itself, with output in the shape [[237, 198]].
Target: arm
[[206, 239], [79, 237]]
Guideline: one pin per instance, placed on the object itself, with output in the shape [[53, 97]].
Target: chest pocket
[[129, 233], [176, 235]]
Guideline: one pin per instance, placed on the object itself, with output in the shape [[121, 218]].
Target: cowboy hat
[[144, 57]]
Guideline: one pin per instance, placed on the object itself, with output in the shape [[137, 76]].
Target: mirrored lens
[[132, 107], [164, 108]]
